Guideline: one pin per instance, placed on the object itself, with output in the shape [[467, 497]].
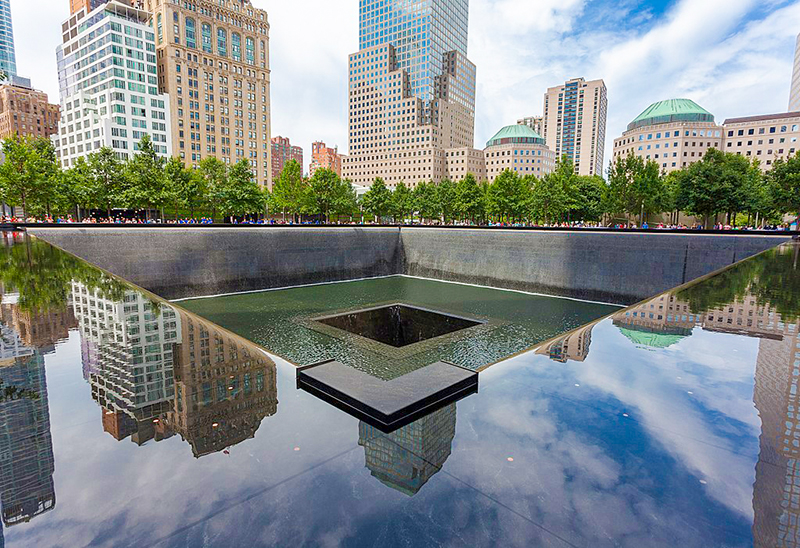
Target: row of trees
[[720, 184]]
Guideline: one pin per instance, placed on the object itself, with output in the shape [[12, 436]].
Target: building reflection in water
[[738, 305], [408, 457], [157, 372], [27, 463]]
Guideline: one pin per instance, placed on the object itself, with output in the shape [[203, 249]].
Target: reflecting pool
[[126, 420]]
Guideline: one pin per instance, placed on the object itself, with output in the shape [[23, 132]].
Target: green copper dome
[[516, 134], [672, 110], [649, 339]]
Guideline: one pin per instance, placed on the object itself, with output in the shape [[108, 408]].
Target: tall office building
[[213, 62], [411, 91], [8, 58], [282, 153], [575, 123], [794, 97], [26, 112], [108, 83]]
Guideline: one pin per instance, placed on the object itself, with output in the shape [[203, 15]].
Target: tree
[[784, 185], [508, 196], [588, 205], [635, 187], [329, 194], [186, 187], [446, 198], [426, 200], [402, 202], [240, 195], [147, 186], [290, 189], [27, 176], [555, 194], [470, 200], [378, 199], [215, 176], [108, 179]]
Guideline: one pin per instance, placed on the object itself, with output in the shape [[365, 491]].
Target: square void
[[398, 325]]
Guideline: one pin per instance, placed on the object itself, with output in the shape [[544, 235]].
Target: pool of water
[[126, 420], [287, 322]]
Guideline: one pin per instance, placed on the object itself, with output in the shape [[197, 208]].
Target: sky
[[733, 57]]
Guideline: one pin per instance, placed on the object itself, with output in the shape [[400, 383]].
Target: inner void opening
[[398, 325]]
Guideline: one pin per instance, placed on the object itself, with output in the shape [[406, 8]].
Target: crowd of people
[[119, 220]]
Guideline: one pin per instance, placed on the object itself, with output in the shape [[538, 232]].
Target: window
[[191, 34], [236, 46], [207, 46], [160, 28], [222, 43], [250, 44]]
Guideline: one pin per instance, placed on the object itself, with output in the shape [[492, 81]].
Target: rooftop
[[516, 133], [762, 118], [671, 110]]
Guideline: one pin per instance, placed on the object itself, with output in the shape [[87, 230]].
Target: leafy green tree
[[290, 190], [215, 176], [470, 200], [635, 188], [240, 195], [402, 202], [508, 197], [378, 199], [556, 194], [77, 187], [186, 187], [784, 185], [446, 198], [147, 184], [588, 205], [329, 194], [108, 179], [426, 201], [28, 174]]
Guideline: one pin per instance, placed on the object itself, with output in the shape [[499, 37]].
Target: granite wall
[[616, 267], [176, 263]]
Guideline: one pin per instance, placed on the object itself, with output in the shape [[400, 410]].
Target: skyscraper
[[8, 58], [411, 90], [575, 123], [108, 84], [213, 62], [282, 153], [794, 98]]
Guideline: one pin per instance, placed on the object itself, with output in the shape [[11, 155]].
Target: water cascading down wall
[[615, 267]]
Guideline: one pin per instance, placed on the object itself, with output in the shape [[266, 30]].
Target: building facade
[[108, 84], [673, 133], [519, 149], [536, 123], [323, 157], [213, 63], [411, 91], [26, 112], [464, 160], [8, 57], [794, 95], [764, 138], [282, 153], [77, 5], [575, 123]]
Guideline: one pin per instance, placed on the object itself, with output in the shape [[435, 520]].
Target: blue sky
[[733, 57]]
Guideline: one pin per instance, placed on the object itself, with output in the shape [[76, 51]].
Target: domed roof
[[517, 134], [672, 110], [650, 339]]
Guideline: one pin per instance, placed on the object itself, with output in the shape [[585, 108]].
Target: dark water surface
[[126, 421]]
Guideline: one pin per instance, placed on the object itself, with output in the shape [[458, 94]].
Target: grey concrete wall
[[611, 267], [176, 263]]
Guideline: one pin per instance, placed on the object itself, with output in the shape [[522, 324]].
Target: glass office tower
[[421, 31], [8, 59]]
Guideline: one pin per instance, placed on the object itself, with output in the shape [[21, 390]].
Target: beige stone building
[[673, 133], [461, 161], [575, 123], [213, 62], [26, 112], [519, 149], [764, 138], [794, 97]]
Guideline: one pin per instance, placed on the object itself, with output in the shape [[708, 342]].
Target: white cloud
[[733, 57]]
